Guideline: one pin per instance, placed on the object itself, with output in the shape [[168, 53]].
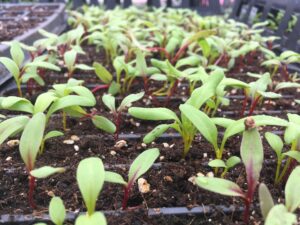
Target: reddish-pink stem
[[244, 104], [285, 73], [160, 49], [100, 87], [171, 92], [253, 105], [180, 52], [118, 124], [31, 190]]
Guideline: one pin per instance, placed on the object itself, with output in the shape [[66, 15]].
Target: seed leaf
[[90, 178], [153, 113], [128, 100], [104, 124], [102, 73], [279, 216], [275, 142], [292, 197], [265, 200], [156, 132], [57, 211], [46, 171], [112, 177], [109, 101], [96, 218]]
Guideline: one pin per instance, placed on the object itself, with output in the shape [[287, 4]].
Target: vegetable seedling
[[229, 164], [22, 71], [252, 157], [110, 103], [282, 213], [90, 178], [139, 167]]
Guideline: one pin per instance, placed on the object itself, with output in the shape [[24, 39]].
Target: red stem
[[253, 105], [285, 73], [31, 190], [126, 197], [100, 87], [160, 49], [146, 86], [219, 59], [180, 52], [117, 123], [246, 218]]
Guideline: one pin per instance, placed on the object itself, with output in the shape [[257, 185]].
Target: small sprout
[[139, 167], [57, 211], [229, 164]]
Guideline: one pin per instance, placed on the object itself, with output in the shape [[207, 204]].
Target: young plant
[[57, 211], [281, 62], [21, 71], [70, 58], [139, 167], [183, 126], [90, 178], [281, 214], [252, 157], [30, 143], [257, 91], [110, 103], [229, 164], [291, 137]]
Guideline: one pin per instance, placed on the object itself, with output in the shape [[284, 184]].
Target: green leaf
[[11, 66], [142, 164], [52, 134], [46, 171], [207, 90], [292, 197], [90, 179], [293, 154], [43, 101], [42, 64], [70, 59], [275, 142], [284, 85], [114, 88], [159, 77], [202, 122], [220, 186], [269, 94], [110, 102], [218, 163], [17, 53], [193, 60], [104, 124], [233, 161], [223, 122], [252, 154], [113, 177], [102, 73], [31, 139], [14, 103], [155, 114], [57, 211], [95, 219], [156, 132], [128, 100], [141, 65], [206, 49], [12, 126], [83, 67], [280, 216], [265, 200]]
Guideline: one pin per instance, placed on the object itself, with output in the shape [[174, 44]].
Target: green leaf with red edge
[[252, 154], [142, 164]]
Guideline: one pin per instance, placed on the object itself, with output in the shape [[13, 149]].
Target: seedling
[[257, 91], [90, 178], [281, 62], [291, 137], [110, 103], [22, 71], [252, 157], [183, 126], [30, 143], [70, 62], [281, 214], [229, 164], [139, 166]]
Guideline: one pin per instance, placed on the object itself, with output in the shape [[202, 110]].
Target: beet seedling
[[110, 103], [252, 157], [229, 164], [257, 91], [291, 137], [183, 126], [90, 178], [281, 214], [139, 167], [22, 71], [30, 143]]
